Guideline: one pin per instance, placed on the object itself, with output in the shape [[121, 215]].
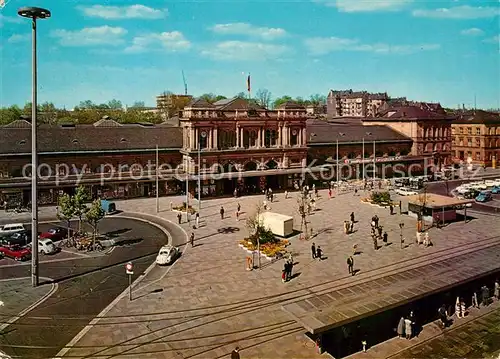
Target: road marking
[[80, 254], [49, 261], [53, 289], [125, 293]]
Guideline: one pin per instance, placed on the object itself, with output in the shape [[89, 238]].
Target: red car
[[16, 252], [56, 234]]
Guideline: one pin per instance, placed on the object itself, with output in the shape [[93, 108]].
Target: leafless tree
[[303, 203], [263, 97]]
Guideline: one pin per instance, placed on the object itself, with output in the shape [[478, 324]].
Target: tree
[[79, 204], [317, 99], [211, 98], [242, 94], [263, 97], [9, 114], [281, 100], [115, 104], [93, 216], [65, 210], [138, 104], [303, 204], [256, 230], [87, 105]]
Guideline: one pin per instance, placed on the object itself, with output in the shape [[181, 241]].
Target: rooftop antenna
[[475, 103], [185, 83]]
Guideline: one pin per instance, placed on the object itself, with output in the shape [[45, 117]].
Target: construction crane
[[185, 83]]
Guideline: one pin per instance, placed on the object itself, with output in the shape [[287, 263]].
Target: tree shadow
[[116, 233], [128, 241], [228, 230]]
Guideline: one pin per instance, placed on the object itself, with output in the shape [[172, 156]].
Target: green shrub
[[380, 197], [265, 235]]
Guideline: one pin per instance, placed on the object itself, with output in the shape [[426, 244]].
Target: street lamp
[[401, 225], [34, 13], [203, 134]]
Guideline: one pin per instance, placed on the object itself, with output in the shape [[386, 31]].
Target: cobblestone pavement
[[208, 303]]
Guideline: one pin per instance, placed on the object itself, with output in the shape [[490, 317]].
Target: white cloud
[[325, 45], [493, 40], [172, 41], [474, 31], [245, 51], [124, 12], [459, 12], [9, 20], [241, 28], [365, 5], [89, 36], [19, 38]]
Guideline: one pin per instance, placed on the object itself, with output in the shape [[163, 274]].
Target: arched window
[[203, 139], [271, 165], [250, 166], [428, 147], [227, 139], [294, 140], [270, 138]]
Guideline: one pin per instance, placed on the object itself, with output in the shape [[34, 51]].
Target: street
[[80, 295]]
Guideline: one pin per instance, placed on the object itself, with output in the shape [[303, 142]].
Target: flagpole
[[337, 163], [363, 159], [374, 161], [249, 87]]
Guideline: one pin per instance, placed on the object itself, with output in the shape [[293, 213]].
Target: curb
[[123, 294], [25, 311]]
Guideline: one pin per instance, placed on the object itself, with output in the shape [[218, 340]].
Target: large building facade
[[476, 137], [226, 146], [349, 103], [428, 125]]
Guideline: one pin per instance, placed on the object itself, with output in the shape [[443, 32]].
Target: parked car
[[16, 252], [167, 255], [471, 193], [497, 182], [12, 228], [483, 196], [403, 191], [489, 183], [495, 190], [56, 234], [45, 246], [20, 238]]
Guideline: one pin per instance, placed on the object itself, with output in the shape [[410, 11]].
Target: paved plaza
[[208, 303]]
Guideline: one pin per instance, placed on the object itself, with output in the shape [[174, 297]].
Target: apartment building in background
[[349, 103], [476, 137]]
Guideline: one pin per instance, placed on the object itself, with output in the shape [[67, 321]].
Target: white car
[[497, 182], [46, 246], [167, 255], [405, 191], [11, 228], [490, 183]]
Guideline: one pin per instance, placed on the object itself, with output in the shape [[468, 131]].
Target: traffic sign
[[129, 268]]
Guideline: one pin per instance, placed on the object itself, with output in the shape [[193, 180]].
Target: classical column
[[191, 137], [242, 137], [288, 135], [237, 135], [279, 135], [196, 138], [209, 143], [304, 136], [216, 139], [259, 132]]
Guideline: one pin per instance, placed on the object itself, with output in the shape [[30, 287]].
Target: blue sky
[[446, 51]]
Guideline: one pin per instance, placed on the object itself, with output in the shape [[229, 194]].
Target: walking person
[[235, 354], [356, 191], [351, 227], [319, 253], [286, 194], [197, 219], [458, 308], [237, 215], [391, 208], [443, 315], [380, 231], [385, 238], [408, 328], [401, 328], [485, 295], [313, 250], [330, 193], [475, 303], [496, 291], [346, 227], [350, 265], [191, 239], [179, 218], [221, 212], [352, 216], [238, 208]]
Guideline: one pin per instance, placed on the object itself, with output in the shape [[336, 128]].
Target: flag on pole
[[248, 83]]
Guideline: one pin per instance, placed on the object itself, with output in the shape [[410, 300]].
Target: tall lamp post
[[401, 225], [203, 134], [34, 13]]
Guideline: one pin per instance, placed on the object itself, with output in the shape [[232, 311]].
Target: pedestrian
[[485, 295], [375, 244], [408, 328], [385, 238], [221, 212], [400, 207], [380, 231], [401, 328], [264, 204], [235, 193], [191, 239], [352, 216], [356, 191], [237, 215], [197, 219], [316, 192], [238, 207], [235, 354], [179, 218], [458, 308], [351, 227], [290, 270], [354, 249], [319, 252], [413, 323], [271, 197], [286, 194], [496, 291], [475, 303], [443, 315], [391, 208], [350, 265], [462, 307], [283, 273], [313, 250]]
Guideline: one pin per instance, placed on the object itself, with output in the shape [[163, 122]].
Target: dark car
[[56, 234], [472, 194], [19, 238], [16, 252]]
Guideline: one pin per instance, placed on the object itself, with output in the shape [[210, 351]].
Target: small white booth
[[279, 224]]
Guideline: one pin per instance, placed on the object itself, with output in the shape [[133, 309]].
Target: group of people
[[286, 274], [316, 252], [349, 225], [377, 232], [406, 326]]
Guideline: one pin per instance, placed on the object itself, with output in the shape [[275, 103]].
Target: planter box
[[279, 224]]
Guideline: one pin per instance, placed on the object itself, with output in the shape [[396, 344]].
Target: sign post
[[129, 270]]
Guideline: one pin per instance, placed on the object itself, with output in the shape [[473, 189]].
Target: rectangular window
[[469, 142], [478, 156], [478, 130], [461, 141], [461, 130], [478, 142], [469, 130]]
